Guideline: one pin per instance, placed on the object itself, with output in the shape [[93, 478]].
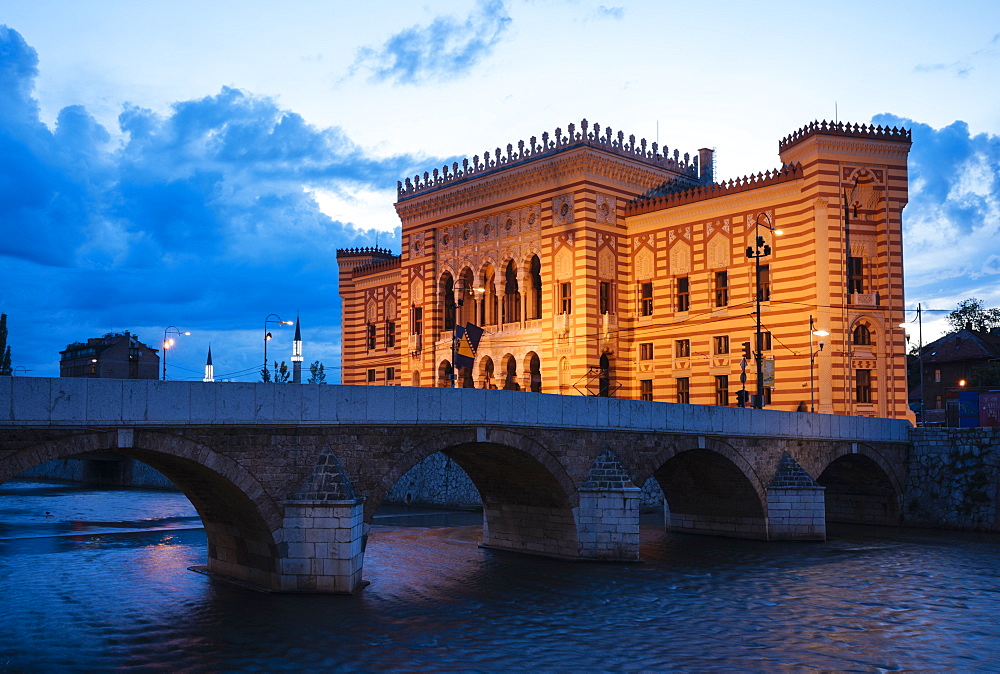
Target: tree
[[280, 372], [5, 367], [972, 314], [317, 372]]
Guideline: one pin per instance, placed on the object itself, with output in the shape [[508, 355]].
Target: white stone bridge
[[286, 478]]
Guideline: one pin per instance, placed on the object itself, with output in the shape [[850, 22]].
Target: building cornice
[[527, 181], [589, 136]]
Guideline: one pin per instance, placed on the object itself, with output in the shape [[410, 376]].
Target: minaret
[[209, 368], [297, 354]]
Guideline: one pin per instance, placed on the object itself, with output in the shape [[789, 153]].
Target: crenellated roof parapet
[[587, 136], [366, 250], [378, 266], [661, 197], [897, 134]]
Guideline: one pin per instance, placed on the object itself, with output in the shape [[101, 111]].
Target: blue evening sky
[[191, 164]]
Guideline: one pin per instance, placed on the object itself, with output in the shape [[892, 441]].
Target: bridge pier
[[323, 549], [796, 509], [608, 524]]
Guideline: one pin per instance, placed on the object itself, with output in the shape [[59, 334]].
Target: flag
[[473, 334], [464, 356]]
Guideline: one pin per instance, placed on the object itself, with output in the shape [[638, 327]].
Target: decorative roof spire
[[297, 342], [209, 368]]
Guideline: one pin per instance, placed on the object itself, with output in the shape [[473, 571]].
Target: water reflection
[[115, 593]]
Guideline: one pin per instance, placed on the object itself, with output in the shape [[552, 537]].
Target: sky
[[190, 165]]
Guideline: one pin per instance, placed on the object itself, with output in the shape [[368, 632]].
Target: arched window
[[511, 295], [488, 310], [535, 310], [486, 377], [604, 381], [448, 300], [534, 368], [510, 374], [444, 374], [862, 335], [466, 313]]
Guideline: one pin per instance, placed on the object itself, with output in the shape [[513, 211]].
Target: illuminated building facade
[[598, 265]]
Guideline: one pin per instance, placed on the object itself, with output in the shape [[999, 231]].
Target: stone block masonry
[[953, 478]]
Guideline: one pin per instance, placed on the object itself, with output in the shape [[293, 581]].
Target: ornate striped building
[[598, 265]]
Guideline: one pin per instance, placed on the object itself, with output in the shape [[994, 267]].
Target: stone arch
[[512, 281], [508, 373], [444, 372], [489, 310], [533, 297], [487, 374], [532, 369], [528, 496], [446, 295], [864, 326], [861, 486], [242, 521], [709, 488], [466, 296]]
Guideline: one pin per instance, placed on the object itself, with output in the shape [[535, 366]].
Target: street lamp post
[[267, 337], [756, 252], [168, 343], [920, 359], [812, 360]]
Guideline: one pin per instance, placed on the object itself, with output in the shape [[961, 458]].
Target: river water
[[97, 579]]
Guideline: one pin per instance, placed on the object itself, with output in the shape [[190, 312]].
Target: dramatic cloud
[[204, 216], [951, 225], [445, 49]]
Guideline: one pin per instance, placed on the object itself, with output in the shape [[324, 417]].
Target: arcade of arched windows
[[493, 298], [514, 374]]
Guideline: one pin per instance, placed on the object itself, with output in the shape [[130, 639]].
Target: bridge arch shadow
[[860, 489], [711, 490], [240, 520], [528, 498]]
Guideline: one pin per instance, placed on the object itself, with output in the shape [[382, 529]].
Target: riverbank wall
[[953, 479], [102, 469]]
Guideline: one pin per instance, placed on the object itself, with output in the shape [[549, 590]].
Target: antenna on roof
[[836, 114]]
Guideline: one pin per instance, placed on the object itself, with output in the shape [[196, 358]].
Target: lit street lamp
[[756, 252], [812, 360], [267, 337], [168, 343]]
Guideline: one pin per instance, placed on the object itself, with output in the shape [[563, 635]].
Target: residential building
[[113, 356]]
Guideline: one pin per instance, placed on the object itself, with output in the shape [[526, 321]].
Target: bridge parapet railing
[[47, 402]]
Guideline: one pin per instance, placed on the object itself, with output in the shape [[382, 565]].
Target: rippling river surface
[[98, 579]]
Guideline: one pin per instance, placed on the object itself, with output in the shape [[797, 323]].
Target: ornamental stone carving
[[606, 209], [371, 312], [606, 263], [562, 209], [564, 264], [390, 308], [680, 259], [645, 263], [417, 291], [718, 252]]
